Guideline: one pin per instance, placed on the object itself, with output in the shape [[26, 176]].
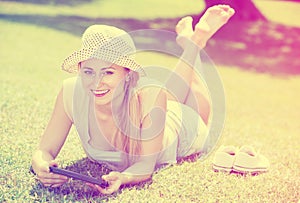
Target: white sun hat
[[107, 43]]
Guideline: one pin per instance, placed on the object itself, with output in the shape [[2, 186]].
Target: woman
[[123, 118]]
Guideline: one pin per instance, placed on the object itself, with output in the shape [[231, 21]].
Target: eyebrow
[[108, 68], [105, 68]]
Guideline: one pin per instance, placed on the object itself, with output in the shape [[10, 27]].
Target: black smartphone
[[78, 176]]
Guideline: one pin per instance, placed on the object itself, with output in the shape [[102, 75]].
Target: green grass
[[262, 111]]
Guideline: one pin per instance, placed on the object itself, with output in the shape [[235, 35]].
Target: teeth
[[100, 91]]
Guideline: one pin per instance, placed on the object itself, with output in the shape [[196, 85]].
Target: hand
[[48, 179], [114, 180]]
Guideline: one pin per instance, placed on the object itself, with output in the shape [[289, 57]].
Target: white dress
[[185, 132]]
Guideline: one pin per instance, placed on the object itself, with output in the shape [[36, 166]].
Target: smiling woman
[[123, 118], [102, 79]]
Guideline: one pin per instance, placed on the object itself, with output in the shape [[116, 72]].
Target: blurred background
[[263, 35]]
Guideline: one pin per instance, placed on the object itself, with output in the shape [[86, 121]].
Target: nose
[[98, 80]]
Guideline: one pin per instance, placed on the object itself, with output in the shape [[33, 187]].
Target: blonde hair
[[128, 137], [128, 120]]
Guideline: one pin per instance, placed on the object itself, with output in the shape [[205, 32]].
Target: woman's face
[[104, 80]]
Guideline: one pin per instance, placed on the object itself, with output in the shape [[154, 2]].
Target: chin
[[102, 101]]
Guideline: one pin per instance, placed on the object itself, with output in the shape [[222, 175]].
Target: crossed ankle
[[186, 43]]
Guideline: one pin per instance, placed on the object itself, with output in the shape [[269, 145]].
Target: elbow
[[147, 177]]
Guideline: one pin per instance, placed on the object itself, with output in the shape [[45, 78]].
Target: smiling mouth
[[100, 93]]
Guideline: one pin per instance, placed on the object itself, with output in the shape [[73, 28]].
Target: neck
[[104, 110]]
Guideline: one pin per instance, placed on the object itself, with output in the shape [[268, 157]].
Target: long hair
[[128, 119], [128, 136]]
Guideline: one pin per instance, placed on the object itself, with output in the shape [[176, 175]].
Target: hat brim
[[70, 64]]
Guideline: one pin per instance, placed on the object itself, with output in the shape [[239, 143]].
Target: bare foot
[[184, 30], [212, 20]]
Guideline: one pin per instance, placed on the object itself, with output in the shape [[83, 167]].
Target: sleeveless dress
[[185, 132]]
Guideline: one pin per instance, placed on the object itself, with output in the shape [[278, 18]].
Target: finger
[[42, 175], [52, 185], [49, 179], [57, 176], [47, 184], [57, 185], [115, 186], [106, 191], [112, 176], [46, 175], [96, 187], [109, 178], [53, 181], [91, 185], [53, 163]]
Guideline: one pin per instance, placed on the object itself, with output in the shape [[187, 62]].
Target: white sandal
[[224, 158], [247, 160]]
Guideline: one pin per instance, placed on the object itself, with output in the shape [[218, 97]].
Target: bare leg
[[185, 83], [179, 82]]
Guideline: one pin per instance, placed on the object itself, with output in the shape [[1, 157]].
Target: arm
[[152, 133], [152, 137], [51, 142]]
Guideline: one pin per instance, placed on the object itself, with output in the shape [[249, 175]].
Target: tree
[[245, 9]]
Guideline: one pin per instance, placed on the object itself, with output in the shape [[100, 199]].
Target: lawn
[[262, 110], [147, 9]]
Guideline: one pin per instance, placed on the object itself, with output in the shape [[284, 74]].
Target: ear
[[127, 78], [78, 67], [128, 75]]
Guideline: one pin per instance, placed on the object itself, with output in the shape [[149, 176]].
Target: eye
[[108, 72], [88, 72]]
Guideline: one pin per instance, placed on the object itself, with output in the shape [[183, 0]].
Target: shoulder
[[69, 86], [150, 93], [68, 92], [69, 82], [148, 88]]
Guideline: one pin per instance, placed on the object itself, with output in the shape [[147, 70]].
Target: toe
[[187, 22], [183, 24], [231, 11], [184, 21], [224, 7]]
